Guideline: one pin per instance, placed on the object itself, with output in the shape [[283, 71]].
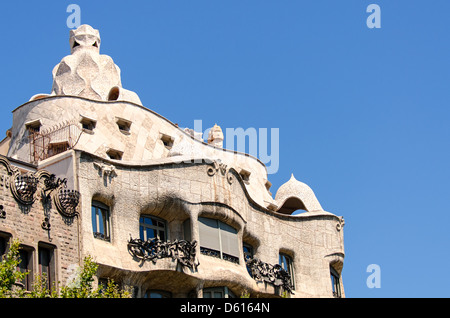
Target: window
[[88, 124], [335, 283], [55, 148], [114, 154], [167, 141], [248, 255], [218, 239], [286, 263], [152, 228], [33, 126], [245, 175], [47, 264], [26, 265], [114, 93], [4, 239], [100, 221], [218, 292], [157, 294], [124, 125], [187, 230]]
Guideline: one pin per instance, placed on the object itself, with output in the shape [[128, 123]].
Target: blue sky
[[363, 114]]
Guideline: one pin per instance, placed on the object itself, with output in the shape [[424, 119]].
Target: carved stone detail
[[224, 170], [340, 224]]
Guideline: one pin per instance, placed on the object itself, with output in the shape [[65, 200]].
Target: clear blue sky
[[364, 114]]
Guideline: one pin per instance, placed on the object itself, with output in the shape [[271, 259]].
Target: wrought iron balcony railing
[[153, 249], [273, 274]]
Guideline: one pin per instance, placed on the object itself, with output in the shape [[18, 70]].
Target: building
[[88, 170]]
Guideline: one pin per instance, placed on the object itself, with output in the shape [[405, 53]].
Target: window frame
[[105, 211], [288, 266], [249, 253], [144, 227], [26, 265], [51, 267], [164, 294], [220, 253], [335, 283], [224, 290]]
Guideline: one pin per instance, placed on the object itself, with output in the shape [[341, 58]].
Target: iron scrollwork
[[50, 184], [66, 200], [273, 274], [153, 249]]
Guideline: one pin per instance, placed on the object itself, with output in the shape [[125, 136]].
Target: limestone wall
[[178, 192], [141, 144]]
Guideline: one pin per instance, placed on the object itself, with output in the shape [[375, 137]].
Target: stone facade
[[37, 222], [160, 210]]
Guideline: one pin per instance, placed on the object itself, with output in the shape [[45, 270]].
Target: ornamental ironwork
[[153, 249], [67, 201], [50, 184], [23, 188], [273, 274]]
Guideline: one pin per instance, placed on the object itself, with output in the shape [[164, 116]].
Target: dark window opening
[[25, 266], [33, 127], [87, 124], [157, 294], [167, 141], [114, 93], [218, 292], [335, 283], [57, 147], [286, 263], [114, 154], [47, 265]]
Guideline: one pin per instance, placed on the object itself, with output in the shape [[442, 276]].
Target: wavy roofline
[[146, 109]]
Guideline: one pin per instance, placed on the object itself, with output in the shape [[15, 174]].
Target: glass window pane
[[141, 233], [151, 234], [147, 220], [100, 222], [94, 219]]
